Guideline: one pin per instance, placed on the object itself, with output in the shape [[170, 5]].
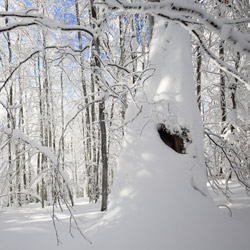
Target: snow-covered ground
[[238, 202], [31, 228]]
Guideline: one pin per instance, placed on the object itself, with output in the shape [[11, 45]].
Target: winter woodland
[[124, 101]]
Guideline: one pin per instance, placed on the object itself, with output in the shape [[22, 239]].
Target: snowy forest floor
[[238, 202], [31, 227]]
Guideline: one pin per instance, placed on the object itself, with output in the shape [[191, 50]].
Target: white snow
[[32, 228], [18, 134], [158, 199]]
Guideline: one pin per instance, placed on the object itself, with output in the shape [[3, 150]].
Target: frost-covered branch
[[224, 66], [189, 14], [226, 152], [180, 11], [41, 20], [18, 134], [17, 67]]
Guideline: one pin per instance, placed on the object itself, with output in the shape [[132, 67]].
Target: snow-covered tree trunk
[[159, 199], [165, 126], [171, 96]]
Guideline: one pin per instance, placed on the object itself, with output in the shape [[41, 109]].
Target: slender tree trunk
[[102, 121], [41, 122], [222, 88], [133, 51], [40, 156], [104, 156], [62, 115], [122, 61], [198, 77], [10, 120], [21, 127], [233, 89], [151, 21], [222, 98], [86, 119]]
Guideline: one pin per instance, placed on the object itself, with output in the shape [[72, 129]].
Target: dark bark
[[104, 156], [233, 89], [10, 120], [222, 88], [151, 21], [198, 77], [102, 122]]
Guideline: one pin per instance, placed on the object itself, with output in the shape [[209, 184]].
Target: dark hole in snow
[[175, 140]]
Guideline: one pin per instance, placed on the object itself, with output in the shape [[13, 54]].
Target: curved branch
[[221, 64], [39, 19], [229, 161], [17, 67], [183, 12]]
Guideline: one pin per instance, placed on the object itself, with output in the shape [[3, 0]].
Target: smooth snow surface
[[31, 228], [158, 200]]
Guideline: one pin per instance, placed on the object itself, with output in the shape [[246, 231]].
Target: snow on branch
[[235, 167], [15, 69], [189, 14], [180, 11], [18, 134], [59, 48], [238, 40], [41, 20], [221, 64]]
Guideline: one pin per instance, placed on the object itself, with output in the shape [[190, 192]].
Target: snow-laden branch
[[17, 67], [41, 20], [8, 107], [234, 22], [238, 40], [188, 14], [15, 25], [60, 48], [18, 134], [181, 11], [227, 153], [221, 64]]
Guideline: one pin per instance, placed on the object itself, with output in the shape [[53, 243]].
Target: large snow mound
[[159, 199]]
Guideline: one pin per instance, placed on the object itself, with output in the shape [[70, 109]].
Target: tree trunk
[[198, 77], [104, 156], [10, 121], [222, 88], [233, 89], [102, 122], [86, 119]]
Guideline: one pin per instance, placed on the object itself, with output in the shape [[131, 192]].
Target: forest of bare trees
[[69, 69]]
